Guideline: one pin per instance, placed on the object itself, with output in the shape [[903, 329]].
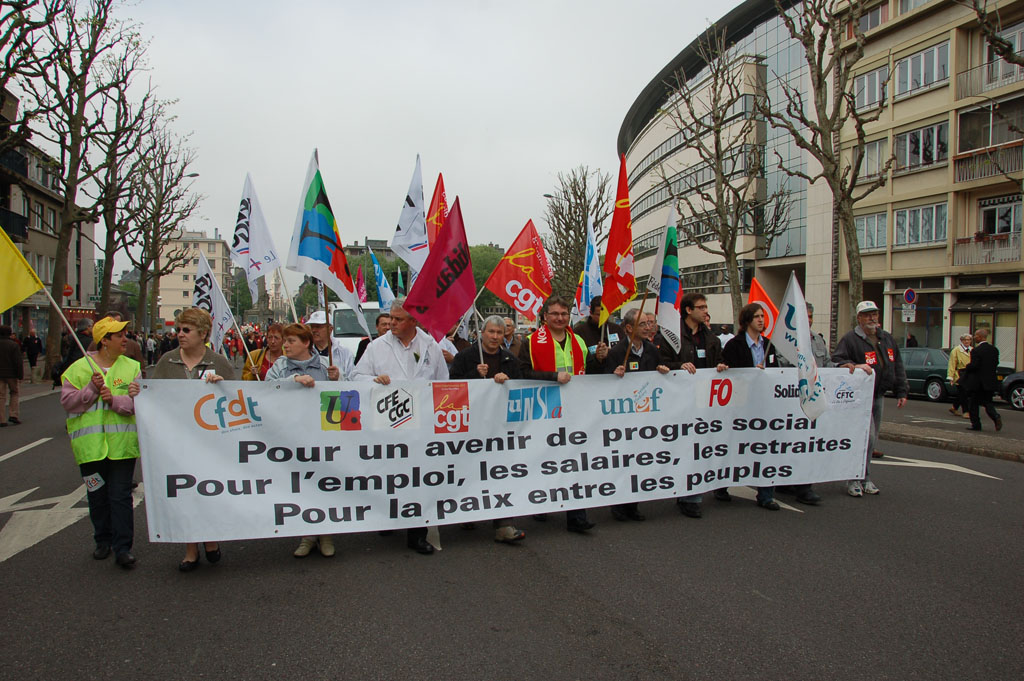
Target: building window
[[999, 71], [37, 216], [921, 225], [184, 277], [923, 69], [869, 89], [211, 247], [874, 17], [922, 147], [1001, 216], [874, 158], [991, 125], [908, 5], [213, 264], [871, 231], [185, 294], [51, 220]]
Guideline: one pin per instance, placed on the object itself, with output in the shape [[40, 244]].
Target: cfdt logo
[[641, 402], [339, 410], [225, 413], [721, 392], [533, 404], [451, 407], [393, 407]]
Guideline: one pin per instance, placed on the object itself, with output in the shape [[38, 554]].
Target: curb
[[937, 442]]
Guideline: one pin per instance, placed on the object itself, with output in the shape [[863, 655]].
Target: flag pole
[[71, 331], [636, 328], [245, 346], [291, 302]]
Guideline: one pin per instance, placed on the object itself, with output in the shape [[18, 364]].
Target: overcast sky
[[498, 96]]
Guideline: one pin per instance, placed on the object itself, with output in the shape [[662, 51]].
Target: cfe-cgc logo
[[393, 408], [226, 413], [339, 410], [451, 407], [534, 404]]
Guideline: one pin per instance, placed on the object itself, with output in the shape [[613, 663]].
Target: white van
[[346, 326]]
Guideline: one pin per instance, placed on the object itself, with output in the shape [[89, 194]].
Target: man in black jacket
[[642, 356], [869, 348], [12, 370], [979, 378]]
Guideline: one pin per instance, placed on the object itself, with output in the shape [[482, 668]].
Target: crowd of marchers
[[98, 389]]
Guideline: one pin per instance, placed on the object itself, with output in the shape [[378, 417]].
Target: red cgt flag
[[771, 313], [445, 288], [523, 277], [620, 281], [438, 211]]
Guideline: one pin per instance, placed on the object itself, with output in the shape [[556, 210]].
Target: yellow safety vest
[[100, 432]]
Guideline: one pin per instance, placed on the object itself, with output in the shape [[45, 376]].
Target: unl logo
[[225, 413], [532, 404], [451, 407], [340, 410], [721, 392]]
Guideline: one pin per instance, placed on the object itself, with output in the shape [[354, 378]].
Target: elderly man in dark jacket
[[12, 370], [869, 348], [979, 380]]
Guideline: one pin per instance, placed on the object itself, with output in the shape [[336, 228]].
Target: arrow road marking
[[918, 463], [24, 449]]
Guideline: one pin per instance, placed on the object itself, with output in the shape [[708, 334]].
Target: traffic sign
[[910, 296], [909, 316], [94, 299], [909, 307]]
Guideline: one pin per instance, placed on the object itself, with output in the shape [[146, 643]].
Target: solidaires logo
[[339, 410], [534, 404]]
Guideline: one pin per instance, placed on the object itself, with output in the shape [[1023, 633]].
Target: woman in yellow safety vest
[[101, 425]]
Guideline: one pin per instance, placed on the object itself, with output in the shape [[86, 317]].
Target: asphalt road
[[921, 582]]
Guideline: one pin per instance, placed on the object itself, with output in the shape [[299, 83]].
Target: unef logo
[[532, 404], [225, 414], [721, 392], [451, 407], [394, 408], [640, 403], [340, 410]]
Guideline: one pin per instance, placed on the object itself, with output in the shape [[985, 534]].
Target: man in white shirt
[[405, 353], [341, 356]]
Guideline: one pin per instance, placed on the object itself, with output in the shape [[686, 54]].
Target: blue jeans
[[877, 406], [110, 505]]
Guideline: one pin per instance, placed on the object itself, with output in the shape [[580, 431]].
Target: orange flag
[[771, 313], [523, 277], [438, 211], [620, 281]]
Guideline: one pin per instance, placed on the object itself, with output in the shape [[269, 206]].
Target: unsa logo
[[532, 404]]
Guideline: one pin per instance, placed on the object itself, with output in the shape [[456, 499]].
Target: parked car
[[926, 373], [1012, 390]]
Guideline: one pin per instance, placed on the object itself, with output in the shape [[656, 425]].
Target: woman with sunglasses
[[192, 359]]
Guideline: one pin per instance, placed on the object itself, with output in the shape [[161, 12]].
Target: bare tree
[[25, 51], [722, 196], [991, 26], [581, 194], [70, 90], [815, 120], [161, 203]]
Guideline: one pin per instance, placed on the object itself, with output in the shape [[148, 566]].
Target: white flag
[[207, 294], [410, 240], [252, 249], [384, 293], [664, 283], [592, 286], [794, 343]]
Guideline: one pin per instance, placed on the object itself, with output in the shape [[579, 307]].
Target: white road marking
[[24, 449], [919, 463], [751, 493]]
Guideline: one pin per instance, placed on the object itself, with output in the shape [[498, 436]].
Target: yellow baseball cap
[[104, 326]]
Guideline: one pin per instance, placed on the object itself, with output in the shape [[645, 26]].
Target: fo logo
[[451, 407], [225, 413], [721, 392], [340, 410], [394, 408], [532, 404]]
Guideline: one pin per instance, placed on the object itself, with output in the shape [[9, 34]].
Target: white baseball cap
[[866, 306], [318, 317]]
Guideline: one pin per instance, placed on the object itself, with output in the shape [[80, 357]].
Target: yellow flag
[[19, 279]]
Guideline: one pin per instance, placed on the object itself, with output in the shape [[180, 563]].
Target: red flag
[[445, 288], [771, 313], [523, 277], [360, 285], [438, 211], [619, 282]]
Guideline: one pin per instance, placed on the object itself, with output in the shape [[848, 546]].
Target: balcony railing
[[989, 162], [987, 249], [14, 161], [987, 77], [15, 225]]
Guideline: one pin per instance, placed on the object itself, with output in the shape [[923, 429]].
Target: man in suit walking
[[981, 379]]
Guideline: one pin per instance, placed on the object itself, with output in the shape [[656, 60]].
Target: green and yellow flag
[[19, 279]]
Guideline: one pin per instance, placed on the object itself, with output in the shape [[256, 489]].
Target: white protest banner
[[236, 460]]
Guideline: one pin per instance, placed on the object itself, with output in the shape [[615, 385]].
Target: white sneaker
[[854, 489], [326, 545], [305, 546], [869, 488]]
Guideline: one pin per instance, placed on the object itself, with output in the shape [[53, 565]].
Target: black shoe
[[3, 424], [14, 420], [213, 556], [101, 551], [421, 546], [877, 454], [620, 515], [723, 495], [542, 517], [637, 516], [999, 423], [385, 533], [468, 526], [580, 526], [771, 505], [125, 560], [973, 428], [690, 509], [810, 497], [188, 565]]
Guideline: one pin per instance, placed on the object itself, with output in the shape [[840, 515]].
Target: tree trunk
[[109, 250], [848, 226], [732, 268], [140, 303]]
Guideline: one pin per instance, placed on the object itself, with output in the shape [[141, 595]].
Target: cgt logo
[[339, 410], [532, 404], [225, 414], [451, 407]]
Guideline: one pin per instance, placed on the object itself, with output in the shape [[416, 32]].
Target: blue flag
[[384, 294]]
